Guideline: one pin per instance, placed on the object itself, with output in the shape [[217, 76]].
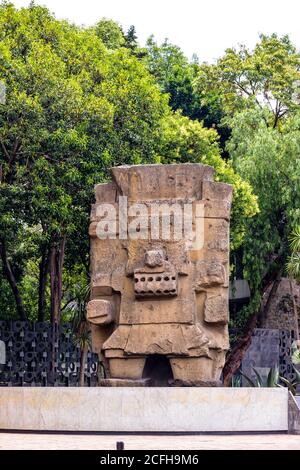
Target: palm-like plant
[[293, 269]]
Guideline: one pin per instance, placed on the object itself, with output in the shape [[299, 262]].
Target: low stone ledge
[[294, 415], [143, 409]]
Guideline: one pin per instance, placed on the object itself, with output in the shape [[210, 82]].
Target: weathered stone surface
[[137, 340], [155, 258], [294, 415], [106, 192], [216, 309], [159, 288], [2, 353], [209, 273], [194, 383], [101, 311], [216, 191], [141, 182], [127, 368], [144, 409], [124, 383], [151, 310]]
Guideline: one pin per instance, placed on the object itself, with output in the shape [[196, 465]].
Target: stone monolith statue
[[159, 269]]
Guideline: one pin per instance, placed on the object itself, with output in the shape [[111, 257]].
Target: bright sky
[[204, 27]]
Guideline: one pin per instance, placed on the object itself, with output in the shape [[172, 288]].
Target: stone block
[[210, 273], [124, 383], [101, 311], [106, 192], [214, 191], [216, 309], [144, 409]]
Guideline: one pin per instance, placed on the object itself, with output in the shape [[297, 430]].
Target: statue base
[[144, 409], [124, 383]]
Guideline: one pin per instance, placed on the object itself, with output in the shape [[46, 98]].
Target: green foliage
[[267, 158], [189, 141], [272, 379], [296, 357], [176, 76], [131, 41], [292, 386], [72, 109], [293, 264], [110, 33], [79, 100], [258, 94], [268, 77]]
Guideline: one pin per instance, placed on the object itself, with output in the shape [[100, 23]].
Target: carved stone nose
[[154, 258]]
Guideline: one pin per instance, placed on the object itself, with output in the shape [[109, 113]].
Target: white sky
[[206, 27]]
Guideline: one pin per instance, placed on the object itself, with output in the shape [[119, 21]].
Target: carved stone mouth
[[158, 284]]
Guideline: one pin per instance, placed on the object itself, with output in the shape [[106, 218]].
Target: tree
[[131, 41], [176, 76], [110, 33], [267, 158], [189, 141], [268, 77], [72, 109]]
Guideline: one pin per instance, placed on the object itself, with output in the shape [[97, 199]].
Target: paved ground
[[27, 441]]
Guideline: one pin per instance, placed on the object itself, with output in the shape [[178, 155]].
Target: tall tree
[[110, 33], [267, 77]]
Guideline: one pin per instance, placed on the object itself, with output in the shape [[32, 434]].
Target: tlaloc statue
[[159, 265]]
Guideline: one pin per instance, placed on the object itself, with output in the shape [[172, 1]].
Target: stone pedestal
[[143, 409]]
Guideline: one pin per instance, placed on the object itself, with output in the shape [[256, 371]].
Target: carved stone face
[[157, 278], [161, 291]]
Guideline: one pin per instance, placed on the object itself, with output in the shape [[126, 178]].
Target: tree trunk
[[236, 355], [82, 365], [295, 308], [8, 273], [56, 261], [57, 254], [43, 276], [265, 310]]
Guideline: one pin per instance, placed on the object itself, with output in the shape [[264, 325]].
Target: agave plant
[[236, 381], [296, 357], [271, 380], [292, 386]]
